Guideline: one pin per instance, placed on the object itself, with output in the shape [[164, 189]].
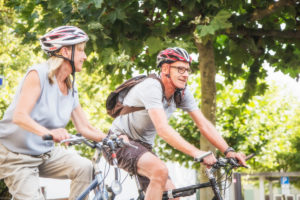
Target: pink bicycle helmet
[[62, 36], [171, 55]]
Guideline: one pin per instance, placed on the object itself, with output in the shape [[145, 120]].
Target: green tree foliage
[[243, 32], [289, 160]]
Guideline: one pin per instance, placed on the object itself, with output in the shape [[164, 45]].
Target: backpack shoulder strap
[[154, 76], [118, 108], [130, 83], [130, 109]]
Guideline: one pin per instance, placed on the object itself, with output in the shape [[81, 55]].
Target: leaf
[[120, 14], [206, 30], [112, 16], [94, 25], [98, 3], [219, 22], [213, 3], [154, 44]]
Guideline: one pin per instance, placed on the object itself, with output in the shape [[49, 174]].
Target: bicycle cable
[[124, 178], [221, 180]]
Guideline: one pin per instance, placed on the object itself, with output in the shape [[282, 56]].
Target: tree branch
[[259, 14], [185, 27], [286, 34]]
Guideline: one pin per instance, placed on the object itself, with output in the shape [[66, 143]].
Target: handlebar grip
[[47, 137], [130, 145], [200, 159], [250, 156]]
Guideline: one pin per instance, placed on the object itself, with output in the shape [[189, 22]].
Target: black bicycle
[[225, 164]]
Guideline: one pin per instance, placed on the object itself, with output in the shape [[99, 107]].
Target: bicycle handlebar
[[111, 141], [221, 163], [233, 162]]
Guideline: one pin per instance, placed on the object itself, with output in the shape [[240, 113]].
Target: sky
[[289, 85]]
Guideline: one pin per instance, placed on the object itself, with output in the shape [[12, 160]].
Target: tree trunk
[[208, 102]]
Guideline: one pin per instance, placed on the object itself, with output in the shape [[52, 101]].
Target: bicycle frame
[[190, 190], [101, 192], [98, 183], [214, 184], [100, 195], [184, 191]]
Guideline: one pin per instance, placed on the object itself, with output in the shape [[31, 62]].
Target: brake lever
[[221, 162], [233, 162], [120, 142]]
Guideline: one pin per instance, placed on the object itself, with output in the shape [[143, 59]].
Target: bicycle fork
[[214, 184]]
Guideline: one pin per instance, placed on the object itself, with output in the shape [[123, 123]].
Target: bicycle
[[111, 143], [103, 192], [227, 164]]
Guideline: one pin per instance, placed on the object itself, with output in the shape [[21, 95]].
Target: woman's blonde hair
[[55, 62]]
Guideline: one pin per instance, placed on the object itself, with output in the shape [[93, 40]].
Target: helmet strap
[[72, 65], [73, 68], [169, 76]]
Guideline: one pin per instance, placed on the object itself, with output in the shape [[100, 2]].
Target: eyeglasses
[[182, 69]]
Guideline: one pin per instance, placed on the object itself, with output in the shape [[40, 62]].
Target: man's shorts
[[128, 158]]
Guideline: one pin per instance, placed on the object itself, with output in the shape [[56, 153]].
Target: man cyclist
[[159, 102]]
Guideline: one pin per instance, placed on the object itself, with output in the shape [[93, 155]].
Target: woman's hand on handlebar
[[59, 134]]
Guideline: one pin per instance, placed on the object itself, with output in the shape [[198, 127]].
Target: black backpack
[[114, 102]]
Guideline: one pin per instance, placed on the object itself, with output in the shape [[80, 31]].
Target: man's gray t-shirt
[[148, 94], [52, 110]]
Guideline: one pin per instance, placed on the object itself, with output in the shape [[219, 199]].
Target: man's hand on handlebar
[[241, 157], [121, 140], [124, 137], [208, 160]]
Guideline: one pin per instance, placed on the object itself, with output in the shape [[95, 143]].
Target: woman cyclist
[[43, 104]]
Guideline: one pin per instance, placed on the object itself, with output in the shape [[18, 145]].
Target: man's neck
[[169, 88]]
